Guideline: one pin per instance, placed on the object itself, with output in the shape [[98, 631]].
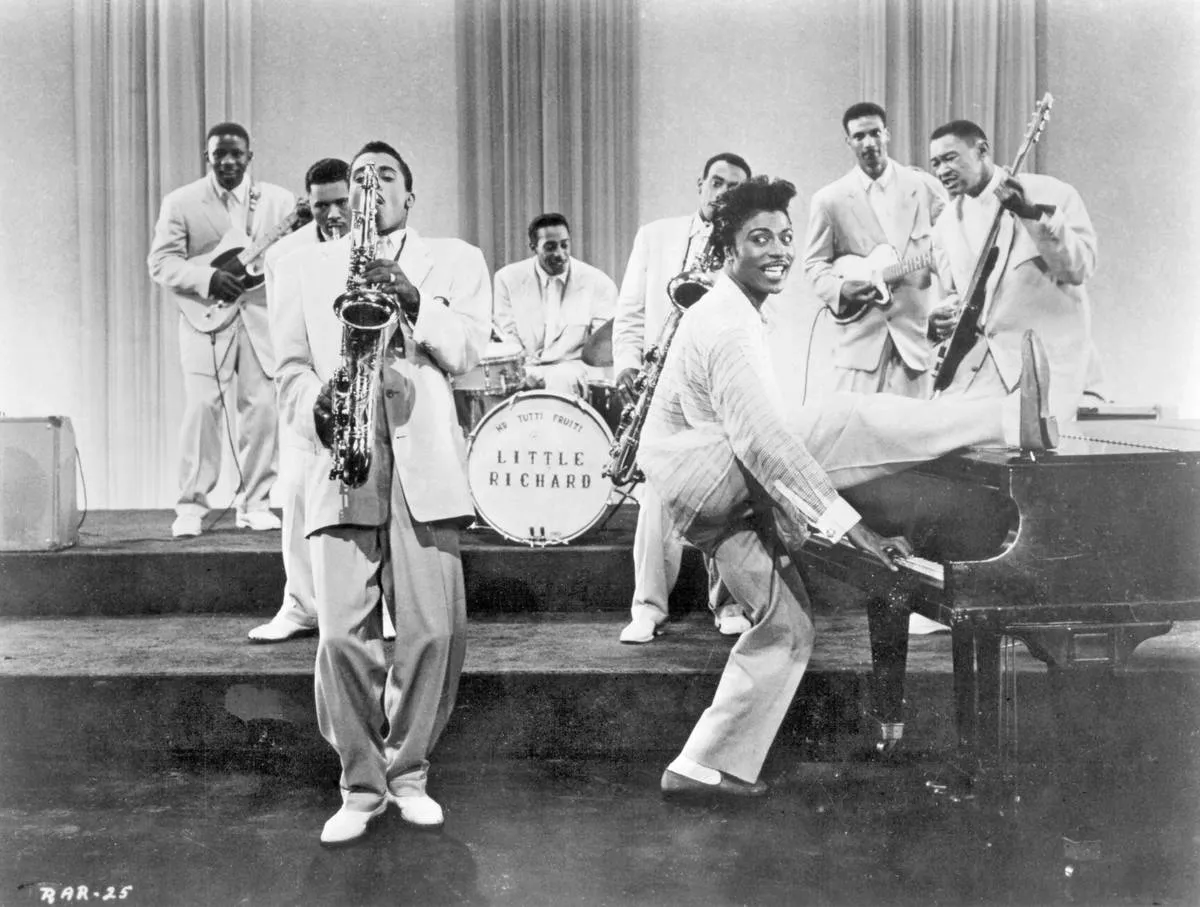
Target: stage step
[[127, 564], [548, 686]]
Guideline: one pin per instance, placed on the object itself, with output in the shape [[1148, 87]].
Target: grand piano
[[1081, 554]]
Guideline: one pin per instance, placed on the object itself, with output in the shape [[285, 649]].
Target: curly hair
[[742, 202]]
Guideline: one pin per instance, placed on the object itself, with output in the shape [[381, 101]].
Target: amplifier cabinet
[[37, 484]]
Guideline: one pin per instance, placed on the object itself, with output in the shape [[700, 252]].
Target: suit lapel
[[906, 217], [863, 214], [214, 211], [532, 322]]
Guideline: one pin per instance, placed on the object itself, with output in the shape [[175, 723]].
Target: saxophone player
[[396, 534], [661, 250]]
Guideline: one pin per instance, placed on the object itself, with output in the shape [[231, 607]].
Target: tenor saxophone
[[365, 313], [684, 290]]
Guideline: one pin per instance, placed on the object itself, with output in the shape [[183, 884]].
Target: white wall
[[39, 268], [1124, 131]]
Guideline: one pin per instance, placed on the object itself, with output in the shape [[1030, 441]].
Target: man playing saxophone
[[396, 532], [662, 250]]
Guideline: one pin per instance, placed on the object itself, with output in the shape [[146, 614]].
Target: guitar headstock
[[1041, 116]]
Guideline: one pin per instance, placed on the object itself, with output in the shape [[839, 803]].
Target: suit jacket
[[842, 222], [659, 250], [302, 238], [589, 296], [447, 339], [1038, 283], [191, 222]]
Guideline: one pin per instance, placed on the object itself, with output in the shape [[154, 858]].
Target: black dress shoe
[[681, 787], [1039, 429]]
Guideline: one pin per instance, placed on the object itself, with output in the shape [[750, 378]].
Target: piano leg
[[887, 620], [976, 657]]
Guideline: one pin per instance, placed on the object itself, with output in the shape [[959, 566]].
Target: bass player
[[1046, 253]]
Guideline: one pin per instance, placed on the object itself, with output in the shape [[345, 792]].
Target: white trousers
[[855, 438], [252, 420]]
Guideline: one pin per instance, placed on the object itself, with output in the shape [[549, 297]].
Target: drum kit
[[534, 457]]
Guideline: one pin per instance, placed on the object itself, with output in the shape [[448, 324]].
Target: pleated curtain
[[150, 77], [548, 120]]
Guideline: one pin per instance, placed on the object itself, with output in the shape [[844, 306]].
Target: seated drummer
[[551, 303]]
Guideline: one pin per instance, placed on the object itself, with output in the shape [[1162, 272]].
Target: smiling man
[[192, 223], [879, 208], [1046, 254], [551, 303], [744, 483]]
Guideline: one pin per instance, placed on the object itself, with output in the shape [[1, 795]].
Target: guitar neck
[[267, 240], [895, 272]]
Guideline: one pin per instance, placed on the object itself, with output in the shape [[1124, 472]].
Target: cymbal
[[597, 350]]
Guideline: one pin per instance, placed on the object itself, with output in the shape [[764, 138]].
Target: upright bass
[[966, 329]]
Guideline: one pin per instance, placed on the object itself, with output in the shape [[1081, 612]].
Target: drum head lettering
[[534, 465]]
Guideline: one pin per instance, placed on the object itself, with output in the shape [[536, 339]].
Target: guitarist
[[1046, 252], [880, 346], [193, 220]]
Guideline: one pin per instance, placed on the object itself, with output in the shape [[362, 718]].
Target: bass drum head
[[535, 468]]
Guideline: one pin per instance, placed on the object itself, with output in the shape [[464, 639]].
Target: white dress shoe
[[279, 629], [258, 520], [639, 630], [349, 824], [186, 525], [731, 620], [418, 809]]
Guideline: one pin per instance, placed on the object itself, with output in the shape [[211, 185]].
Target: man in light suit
[[882, 344], [396, 534], [550, 303], [192, 222], [1046, 254], [327, 184], [661, 250]]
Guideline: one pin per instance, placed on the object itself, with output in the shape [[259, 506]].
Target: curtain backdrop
[[150, 77], [548, 122], [930, 61]]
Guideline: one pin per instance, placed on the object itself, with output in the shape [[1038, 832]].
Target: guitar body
[[882, 269], [869, 270], [239, 256]]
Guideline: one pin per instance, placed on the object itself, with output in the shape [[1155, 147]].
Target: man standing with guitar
[[868, 257], [1044, 252], [207, 253]]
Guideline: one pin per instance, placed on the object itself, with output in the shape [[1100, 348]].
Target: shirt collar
[[395, 239], [238, 192], [698, 226], [884, 181], [987, 198], [543, 278]]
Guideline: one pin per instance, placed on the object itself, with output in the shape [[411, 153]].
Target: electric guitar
[[883, 269], [966, 329], [239, 255]]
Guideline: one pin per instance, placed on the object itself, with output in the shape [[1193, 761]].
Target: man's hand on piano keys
[[884, 550]]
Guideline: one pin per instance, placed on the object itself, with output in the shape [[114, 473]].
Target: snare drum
[[534, 464], [500, 374], [606, 400]]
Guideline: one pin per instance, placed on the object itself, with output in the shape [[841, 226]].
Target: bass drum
[[535, 467]]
